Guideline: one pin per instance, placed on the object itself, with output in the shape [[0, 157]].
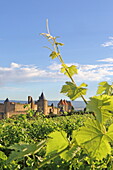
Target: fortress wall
[[20, 107], [54, 110], [35, 107], [16, 113], [1, 116], [48, 109], [12, 107], [1, 107]]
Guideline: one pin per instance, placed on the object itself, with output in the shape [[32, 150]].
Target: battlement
[[7, 109]]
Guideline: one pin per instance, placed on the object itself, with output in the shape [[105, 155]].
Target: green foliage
[[53, 144], [105, 88], [54, 54], [69, 71], [20, 137], [95, 134], [2, 155], [72, 91], [94, 137], [102, 106], [22, 150]]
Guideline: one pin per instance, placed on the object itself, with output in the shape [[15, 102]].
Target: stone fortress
[[8, 109]]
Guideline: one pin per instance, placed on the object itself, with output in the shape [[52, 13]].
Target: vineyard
[[26, 143]]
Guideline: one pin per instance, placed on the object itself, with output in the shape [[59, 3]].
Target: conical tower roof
[[42, 97], [7, 100]]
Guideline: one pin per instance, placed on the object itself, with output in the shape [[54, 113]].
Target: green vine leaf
[[105, 88], [54, 55], [63, 148], [72, 91], [102, 106], [69, 71], [57, 142], [109, 134], [94, 139], [3, 156], [70, 153], [22, 150]]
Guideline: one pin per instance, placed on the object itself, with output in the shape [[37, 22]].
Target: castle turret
[[29, 99], [31, 102], [42, 104], [6, 108]]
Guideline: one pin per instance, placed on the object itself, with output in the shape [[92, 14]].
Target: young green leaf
[[54, 54], [72, 91], [69, 71], [101, 105], [47, 35], [57, 142], [93, 138], [105, 88], [109, 134]]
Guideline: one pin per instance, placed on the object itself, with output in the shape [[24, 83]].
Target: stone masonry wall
[[20, 107], [1, 107]]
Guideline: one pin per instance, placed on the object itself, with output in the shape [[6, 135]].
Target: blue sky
[[86, 29]]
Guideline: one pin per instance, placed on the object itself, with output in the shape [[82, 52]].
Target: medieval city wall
[[8, 109], [20, 107], [16, 113], [34, 107], [1, 107], [54, 110]]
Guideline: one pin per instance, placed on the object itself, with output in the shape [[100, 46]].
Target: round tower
[[6, 108], [43, 104]]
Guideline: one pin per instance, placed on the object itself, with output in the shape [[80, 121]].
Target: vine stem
[[61, 60], [55, 46]]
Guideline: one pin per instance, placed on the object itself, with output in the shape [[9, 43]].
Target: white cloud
[[15, 65], [25, 73], [97, 72], [55, 66], [18, 73], [109, 60], [108, 43]]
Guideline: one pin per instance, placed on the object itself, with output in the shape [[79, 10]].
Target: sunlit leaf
[[57, 142], [105, 88], [48, 36], [93, 138], [2, 155], [109, 134], [69, 71], [54, 54], [72, 91], [101, 106]]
